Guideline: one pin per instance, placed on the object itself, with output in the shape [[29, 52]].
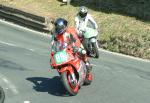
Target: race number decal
[[60, 57]]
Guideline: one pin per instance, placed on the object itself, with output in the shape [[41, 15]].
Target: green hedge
[[138, 8], [135, 45]]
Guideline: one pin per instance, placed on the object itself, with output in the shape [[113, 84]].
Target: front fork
[[69, 69], [92, 41]]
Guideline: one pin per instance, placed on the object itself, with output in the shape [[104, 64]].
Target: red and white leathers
[[70, 37]]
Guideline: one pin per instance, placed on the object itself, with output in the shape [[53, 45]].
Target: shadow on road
[[53, 85]]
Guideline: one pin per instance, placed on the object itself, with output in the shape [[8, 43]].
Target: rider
[[67, 34], [83, 19]]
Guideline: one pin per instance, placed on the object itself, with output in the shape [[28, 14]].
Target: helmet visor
[[59, 29], [82, 15]]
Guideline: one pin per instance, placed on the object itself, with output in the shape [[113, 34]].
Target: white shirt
[[82, 23]]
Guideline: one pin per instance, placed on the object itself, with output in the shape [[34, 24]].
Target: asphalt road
[[26, 76]]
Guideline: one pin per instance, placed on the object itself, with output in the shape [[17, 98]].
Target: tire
[[2, 95], [95, 49], [72, 89]]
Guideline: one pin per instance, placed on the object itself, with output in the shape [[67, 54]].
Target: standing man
[[67, 1]]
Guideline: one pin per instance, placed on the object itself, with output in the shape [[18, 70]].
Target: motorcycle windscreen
[[90, 33], [60, 57]]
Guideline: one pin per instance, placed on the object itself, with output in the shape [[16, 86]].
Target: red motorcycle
[[71, 68]]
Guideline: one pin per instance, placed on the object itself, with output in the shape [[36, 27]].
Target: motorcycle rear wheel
[[71, 87]]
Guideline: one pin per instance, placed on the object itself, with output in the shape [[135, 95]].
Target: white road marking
[[11, 86], [27, 102], [10, 44], [30, 49]]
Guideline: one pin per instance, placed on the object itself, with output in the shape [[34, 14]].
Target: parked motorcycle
[[71, 68], [89, 41]]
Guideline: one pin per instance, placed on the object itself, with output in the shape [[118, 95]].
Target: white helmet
[[83, 12]]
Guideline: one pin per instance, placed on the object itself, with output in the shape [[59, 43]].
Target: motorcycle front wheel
[[70, 85], [2, 95]]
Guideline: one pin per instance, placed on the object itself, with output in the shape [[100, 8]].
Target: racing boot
[[88, 78], [89, 69]]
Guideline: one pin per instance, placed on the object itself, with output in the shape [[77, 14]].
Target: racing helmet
[[60, 25], [83, 12]]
